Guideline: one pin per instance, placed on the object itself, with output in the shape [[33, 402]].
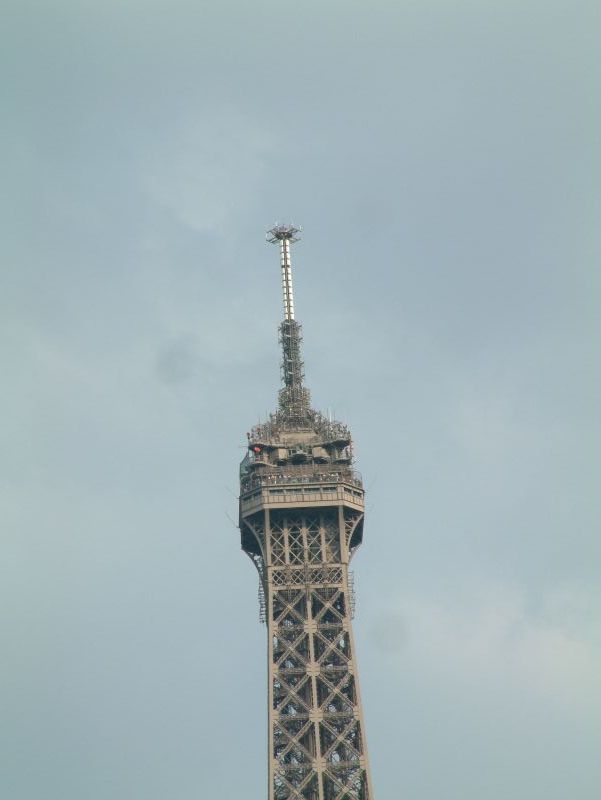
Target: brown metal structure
[[301, 521]]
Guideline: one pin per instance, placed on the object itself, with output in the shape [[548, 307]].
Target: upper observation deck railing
[[300, 475], [308, 495]]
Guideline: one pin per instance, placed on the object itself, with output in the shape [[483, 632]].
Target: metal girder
[[317, 745]]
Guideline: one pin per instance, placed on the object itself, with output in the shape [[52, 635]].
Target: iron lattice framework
[[301, 520]]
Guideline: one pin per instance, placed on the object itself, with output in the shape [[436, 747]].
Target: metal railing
[[300, 476]]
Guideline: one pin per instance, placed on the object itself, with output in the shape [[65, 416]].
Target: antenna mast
[[285, 234], [294, 398]]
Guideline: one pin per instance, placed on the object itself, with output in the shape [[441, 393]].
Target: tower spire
[[285, 234], [294, 398]]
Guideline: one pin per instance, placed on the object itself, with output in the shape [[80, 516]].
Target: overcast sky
[[443, 159]]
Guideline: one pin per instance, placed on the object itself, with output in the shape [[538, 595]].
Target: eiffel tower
[[301, 521]]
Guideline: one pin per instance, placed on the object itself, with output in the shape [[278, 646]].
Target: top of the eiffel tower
[[294, 413]]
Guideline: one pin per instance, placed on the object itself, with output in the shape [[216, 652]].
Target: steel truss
[[317, 746]]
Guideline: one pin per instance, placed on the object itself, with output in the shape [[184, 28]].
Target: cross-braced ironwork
[[301, 520]]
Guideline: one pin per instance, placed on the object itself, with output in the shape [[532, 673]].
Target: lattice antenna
[[294, 398]]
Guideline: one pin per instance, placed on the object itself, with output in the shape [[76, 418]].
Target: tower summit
[[301, 521]]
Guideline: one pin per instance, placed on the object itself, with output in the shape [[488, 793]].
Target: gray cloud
[[177, 362]]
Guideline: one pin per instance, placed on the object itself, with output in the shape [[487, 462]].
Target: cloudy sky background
[[443, 159]]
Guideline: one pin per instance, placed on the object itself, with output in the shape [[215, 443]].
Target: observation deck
[[301, 487], [299, 468]]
